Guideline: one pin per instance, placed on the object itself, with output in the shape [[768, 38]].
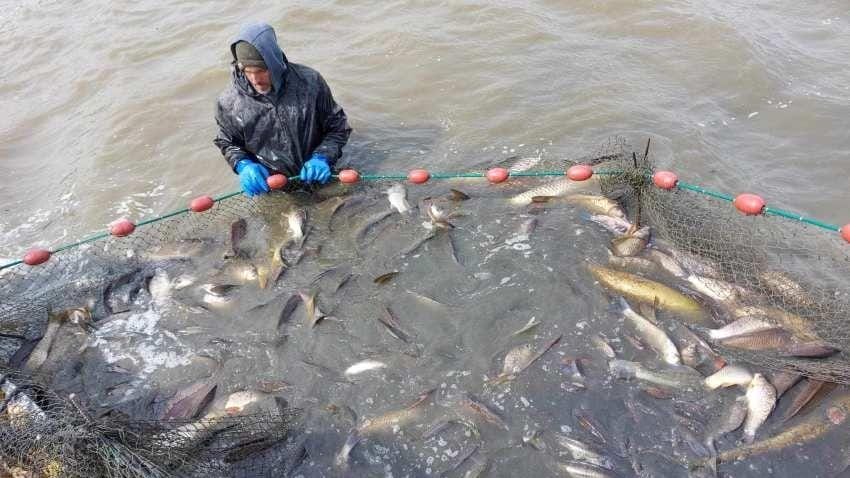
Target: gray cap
[[247, 55]]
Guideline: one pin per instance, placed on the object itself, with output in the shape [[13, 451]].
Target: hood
[[263, 37]]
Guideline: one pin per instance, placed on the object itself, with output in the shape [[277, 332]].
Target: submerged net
[[42, 434], [788, 273], [780, 266]]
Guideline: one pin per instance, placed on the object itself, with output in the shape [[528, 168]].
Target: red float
[[579, 172], [749, 204], [665, 179], [122, 227], [201, 203], [35, 257], [276, 181], [845, 232], [349, 176], [418, 176], [497, 175]]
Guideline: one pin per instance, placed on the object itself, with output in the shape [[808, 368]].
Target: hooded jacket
[[283, 128]]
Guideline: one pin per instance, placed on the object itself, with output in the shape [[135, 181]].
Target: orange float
[[579, 172], [749, 204], [34, 257], [497, 175], [122, 227], [665, 179], [201, 203], [349, 176], [418, 176], [276, 181]]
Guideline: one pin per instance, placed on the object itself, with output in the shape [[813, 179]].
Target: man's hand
[[316, 170], [252, 177]]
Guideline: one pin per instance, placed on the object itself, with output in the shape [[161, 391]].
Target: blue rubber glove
[[252, 177], [316, 170]]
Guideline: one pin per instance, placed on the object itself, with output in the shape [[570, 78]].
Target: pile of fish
[[202, 330]]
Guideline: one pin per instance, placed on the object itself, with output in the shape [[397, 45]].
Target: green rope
[[381, 177]]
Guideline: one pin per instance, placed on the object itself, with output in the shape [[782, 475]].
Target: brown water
[[108, 113], [107, 108]]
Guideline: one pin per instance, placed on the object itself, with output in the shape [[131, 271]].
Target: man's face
[[260, 78]]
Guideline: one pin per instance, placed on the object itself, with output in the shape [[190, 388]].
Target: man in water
[[276, 116]]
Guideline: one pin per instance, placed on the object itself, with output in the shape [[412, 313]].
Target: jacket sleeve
[[229, 139], [334, 124]]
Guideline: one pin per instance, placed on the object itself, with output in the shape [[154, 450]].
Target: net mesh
[[44, 435], [783, 267], [787, 273]]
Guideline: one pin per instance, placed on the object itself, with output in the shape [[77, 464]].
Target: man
[[276, 116]]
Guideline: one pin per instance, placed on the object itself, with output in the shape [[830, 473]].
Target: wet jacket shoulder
[[283, 128]]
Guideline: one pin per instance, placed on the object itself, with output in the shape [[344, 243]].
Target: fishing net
[[44, 435], [791, 274], [782, 265]]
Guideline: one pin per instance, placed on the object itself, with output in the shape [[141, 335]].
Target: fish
[[742, 326], [557, 188], [579, 469], [238, 272], [652, 335], [314, 314], [632, 243], [728, 376], [438, 217], [667, 263], [341, 458], [595, 204], [218, 295], [811, 349], [635, 265], [601, 345], [532, 323], [189, 402], [238, 403], [363, 230], [393, 326], [178, 250], [20, 409], [730, 420], [720, 291], [390, 420], [782, 285], [238, 232], [22, 354], [810, 428], [616, 225], [248, 448], [456, 195], [783, 380], [807, 391], [384, 278], [41, 351], [397, 196], [582, 451], [118, 295], [364, 366], [770, 339], [589, 424], [468, 404], [676, 377], [288, 309], [800, 327], [418, 243], [515, 164], [639, 289], [441, 425], [520, 358], [692, 263], [761, 398], [296, 221]]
